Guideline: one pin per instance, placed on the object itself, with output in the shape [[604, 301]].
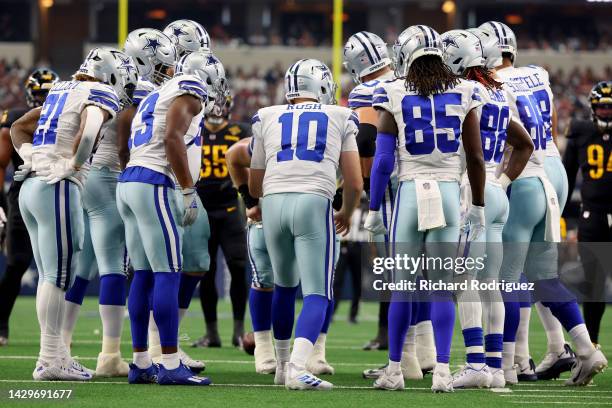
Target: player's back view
[[296, 152]]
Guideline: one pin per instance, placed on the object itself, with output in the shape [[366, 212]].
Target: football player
[[366, 58], [167, 121], [260, 296], [156, 65], [18, 247], [297, 184], [428, 165], [55, 141], [473, 55], [589, 149], [104, 241], [534, 217]]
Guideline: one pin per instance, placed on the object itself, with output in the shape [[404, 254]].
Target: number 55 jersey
[[299, 146]]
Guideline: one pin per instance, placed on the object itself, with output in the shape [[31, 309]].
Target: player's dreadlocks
[[429, 75], [482, 75]]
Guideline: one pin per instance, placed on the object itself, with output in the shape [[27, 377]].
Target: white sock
[[71, 314], [112, 326], [582, 340], [493, 312], [555, 341], [283, 350], [508, 355], [154, 340], [410, 342], [522, 335], [263, 338], [394, 366], [319, 347], [142, 359], [171, 361], [50, 311], [424, 334], [442, 367], [302, 349]]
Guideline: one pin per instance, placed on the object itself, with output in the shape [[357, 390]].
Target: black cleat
[[554, 364], [527, 373]]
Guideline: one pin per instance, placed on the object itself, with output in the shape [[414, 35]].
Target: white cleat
[[554, 364], [196, 366], [471, 377], [586, 368], [427, 356], [392, 381], [319, 367], [59, 370], [265, 360], [78, 366], [300, 379], [442, 381], [510, 375], [111, 365], [374, 373], [411, 369], [497, 378], [279, 374]]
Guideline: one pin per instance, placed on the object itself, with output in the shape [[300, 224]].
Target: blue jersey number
[[46, 131], [145, 110], [301, 150], [418, 113], [543, 103], [493, 125], [532, 120]]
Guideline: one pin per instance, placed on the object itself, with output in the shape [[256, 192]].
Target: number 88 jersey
[[146, 143], [429, 127]]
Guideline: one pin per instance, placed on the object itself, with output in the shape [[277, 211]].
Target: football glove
[[190, 205], [473, 223], [374, 223], [58, 170], [25, 152]]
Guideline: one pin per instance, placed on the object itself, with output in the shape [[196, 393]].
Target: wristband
[[504, 180], [249, 200]]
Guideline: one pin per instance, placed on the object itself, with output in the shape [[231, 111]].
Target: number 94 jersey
[[60, 118], [429, 127], [148, 130], [299, 146]]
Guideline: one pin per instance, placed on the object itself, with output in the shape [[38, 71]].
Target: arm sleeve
[[104, 97], [258, 155], [384, 161]]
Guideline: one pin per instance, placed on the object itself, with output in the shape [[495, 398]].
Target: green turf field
[[236, 384]]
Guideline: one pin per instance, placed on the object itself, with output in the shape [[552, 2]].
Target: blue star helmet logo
[[448, 41], [126, 64], [211, 60], [325, 71], [178, 32], [152, 44]]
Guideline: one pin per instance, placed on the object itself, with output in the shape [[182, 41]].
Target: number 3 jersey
[[146, 144], [429, 127], [60, 118], [299, 146]]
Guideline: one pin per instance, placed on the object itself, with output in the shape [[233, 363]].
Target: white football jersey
[[148, 131], [60, 118], [143, 88], [299, 146], [524, 106], [361, 95], [429, 128]]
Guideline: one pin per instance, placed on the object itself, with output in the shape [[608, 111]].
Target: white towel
[[553, 212], [429, 205], [194, 159]]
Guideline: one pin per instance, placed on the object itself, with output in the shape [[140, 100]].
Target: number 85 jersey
[[429, 127], [299, 146], [146, 143]]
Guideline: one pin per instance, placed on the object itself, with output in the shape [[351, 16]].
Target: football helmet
[[462, 50], [505, 36], [365, 53], [37, 86], [310, 78], [153, 53], [210, 70], [114, 68], [490, 47], [414, 42], [188, 36], [601, 104]]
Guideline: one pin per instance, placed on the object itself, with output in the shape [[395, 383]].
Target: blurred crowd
[[255, 88]]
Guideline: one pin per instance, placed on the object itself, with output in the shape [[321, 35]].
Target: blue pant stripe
[[68, 233], [58, 235], [177, 242], [256, 279], [163, 225], [394, 227], [327, 248], [332, 265]]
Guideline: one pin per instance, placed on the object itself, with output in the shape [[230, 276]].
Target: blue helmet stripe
[[433, 36], [422, 28], [372, 44], [295, 77], [365, 47]]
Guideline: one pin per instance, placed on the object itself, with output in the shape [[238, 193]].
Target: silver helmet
[[310, 78], [462, 50], [490, 47], [188, 36], [505, 36], [209, 69], [153, 52], [365, 53], [414, 42], [114, 68]]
